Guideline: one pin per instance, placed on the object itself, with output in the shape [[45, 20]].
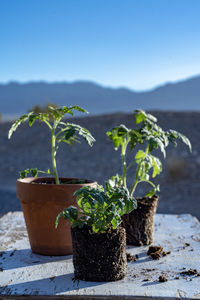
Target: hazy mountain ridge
[[18, 98]]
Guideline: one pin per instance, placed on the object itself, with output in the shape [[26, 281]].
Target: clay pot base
[[41, 202], [139, 224], [99, 256]]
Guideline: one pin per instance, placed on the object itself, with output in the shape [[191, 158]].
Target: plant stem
[[136, 181], [132, 190], [53, 155], [148, 181], [123, 154], [48, 124], [131, 164]]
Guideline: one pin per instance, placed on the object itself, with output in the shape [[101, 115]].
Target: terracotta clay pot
[[139, 224], [42, 200], [99, 256]]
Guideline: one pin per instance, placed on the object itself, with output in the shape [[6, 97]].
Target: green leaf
[[69, 133], [78, 108], [152, 144], [155, 142], [103, 208], [115, 181], [70, 214], [161, 146], [119, 135], [49, 171], [23, 174], [140, 116], [34, 172], [135, 138], [143, 170], [32, 119], [186, 141], [67, 110], [130, 205], [140, 155], [78, 223], [58, 113], [58, 218], [84, 133], [18, 122], [176, 134], [151, 193], [157, 166], [115, 223]]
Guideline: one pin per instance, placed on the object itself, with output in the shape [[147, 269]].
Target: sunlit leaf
[[140, 155], [101, 208], [174, 135], [18, 122], [34, 172], [151, 193]]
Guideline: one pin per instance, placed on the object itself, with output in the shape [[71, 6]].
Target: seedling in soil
[[100, 208], [61, 132], [153, 137]]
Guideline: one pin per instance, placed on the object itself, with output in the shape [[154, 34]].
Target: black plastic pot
[[139, 224], [99, 256]]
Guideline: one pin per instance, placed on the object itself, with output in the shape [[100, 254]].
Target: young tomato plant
[[152, 136], [100, 208], [61, 132]]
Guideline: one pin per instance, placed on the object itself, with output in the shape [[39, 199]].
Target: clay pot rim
[[35, 180]]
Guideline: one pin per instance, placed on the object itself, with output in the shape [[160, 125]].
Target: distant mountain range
[[17, 98]]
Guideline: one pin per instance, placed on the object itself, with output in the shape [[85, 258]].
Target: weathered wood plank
[[28, 275]]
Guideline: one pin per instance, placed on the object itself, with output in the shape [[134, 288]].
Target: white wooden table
[[27, 275]]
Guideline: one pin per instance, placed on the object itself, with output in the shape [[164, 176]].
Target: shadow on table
[[151, 283], [142, 255], [13, 259], [143, 258], [48, 286]]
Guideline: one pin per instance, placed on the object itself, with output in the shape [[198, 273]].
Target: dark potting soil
[[162, 278], [156, 252], [166, 253], [52, 181], [130, 257], [190, 272], [153, 249], [139, 224], [101, 256]]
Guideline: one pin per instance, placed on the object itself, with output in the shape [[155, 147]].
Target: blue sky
[[137, 44]]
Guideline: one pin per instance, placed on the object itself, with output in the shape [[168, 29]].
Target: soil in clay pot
[[99, 256], [139, 224]]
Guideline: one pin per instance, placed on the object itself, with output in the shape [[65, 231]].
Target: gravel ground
[[30, 147]]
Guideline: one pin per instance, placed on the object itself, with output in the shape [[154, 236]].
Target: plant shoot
[[152, 137], [99, 208], [61, 132]]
